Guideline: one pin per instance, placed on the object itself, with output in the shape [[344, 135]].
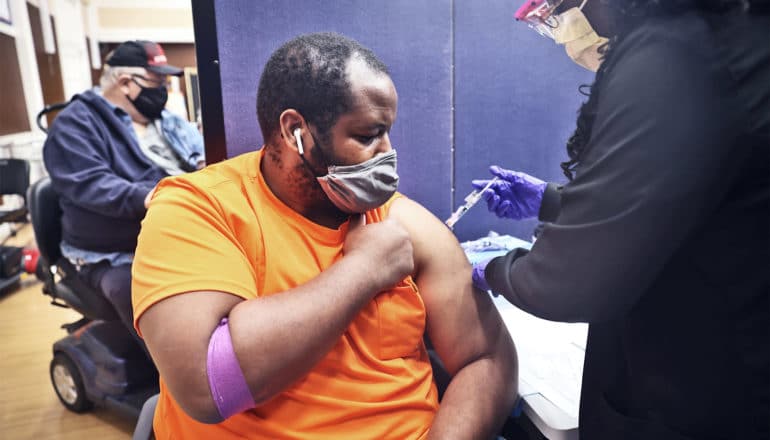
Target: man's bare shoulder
[[435, 246], [418, 220]]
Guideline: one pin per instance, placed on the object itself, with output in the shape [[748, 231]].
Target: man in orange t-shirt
[[284, 294]]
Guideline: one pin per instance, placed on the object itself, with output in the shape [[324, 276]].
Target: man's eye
[[366, 140]]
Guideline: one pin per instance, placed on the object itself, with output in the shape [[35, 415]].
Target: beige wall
[[120, 20], [159, 18]]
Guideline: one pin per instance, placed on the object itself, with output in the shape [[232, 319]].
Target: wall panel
[[48, 65], [412, 37], [13, 111]]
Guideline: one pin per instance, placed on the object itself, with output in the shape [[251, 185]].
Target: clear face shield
[[570, 28], [539, 15]]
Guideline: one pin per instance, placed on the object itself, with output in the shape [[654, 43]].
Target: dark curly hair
[[626, 16], [307, 74]]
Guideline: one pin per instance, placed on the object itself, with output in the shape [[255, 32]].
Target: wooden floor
[[29, 408]]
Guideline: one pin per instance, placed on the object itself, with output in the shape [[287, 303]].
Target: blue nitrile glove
[[515, 195], [478, 275]]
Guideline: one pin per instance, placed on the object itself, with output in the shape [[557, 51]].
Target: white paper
[[550, 357]]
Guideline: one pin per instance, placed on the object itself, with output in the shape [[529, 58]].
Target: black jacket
[[100, 174], [662, 240]]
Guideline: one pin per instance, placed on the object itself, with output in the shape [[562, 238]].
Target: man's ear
[[292, 125], [122, 82]]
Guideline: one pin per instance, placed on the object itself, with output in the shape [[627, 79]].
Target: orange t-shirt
[[222, 229]]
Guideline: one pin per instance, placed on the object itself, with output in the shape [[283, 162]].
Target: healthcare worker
[[660, 240]]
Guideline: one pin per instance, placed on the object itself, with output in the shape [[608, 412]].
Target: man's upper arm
[[188, 273], [462, 323]]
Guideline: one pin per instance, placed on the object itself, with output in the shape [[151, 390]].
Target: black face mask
[[151, 100]]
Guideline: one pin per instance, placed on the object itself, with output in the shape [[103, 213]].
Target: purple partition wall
[[412, 37], [475, 88]]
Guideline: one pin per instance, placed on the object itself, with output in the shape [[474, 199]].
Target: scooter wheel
[[68, 384]]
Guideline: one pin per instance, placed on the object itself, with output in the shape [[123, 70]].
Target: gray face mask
[[355, 189]]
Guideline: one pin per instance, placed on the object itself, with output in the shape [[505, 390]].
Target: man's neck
[[283, 185], [139, 127]]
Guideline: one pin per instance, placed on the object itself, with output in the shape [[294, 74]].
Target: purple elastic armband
[[228, 386]]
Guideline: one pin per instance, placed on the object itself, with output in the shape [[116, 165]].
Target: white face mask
[[579, 39]]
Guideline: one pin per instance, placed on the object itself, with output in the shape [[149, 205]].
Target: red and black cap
[[145, 54]]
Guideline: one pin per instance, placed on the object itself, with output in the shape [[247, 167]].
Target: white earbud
[[298, 137]]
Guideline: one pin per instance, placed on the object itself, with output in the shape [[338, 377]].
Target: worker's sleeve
[[658, 162], [551, 204]]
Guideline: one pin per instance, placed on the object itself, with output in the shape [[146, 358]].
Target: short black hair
[[307, 74]]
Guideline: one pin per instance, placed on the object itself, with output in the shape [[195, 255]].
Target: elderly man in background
[[105, 153]]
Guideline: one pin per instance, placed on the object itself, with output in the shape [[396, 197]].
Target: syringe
[[470, 200]]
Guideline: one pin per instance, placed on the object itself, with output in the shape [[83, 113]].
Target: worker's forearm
[[479, 397], [279, 338]]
